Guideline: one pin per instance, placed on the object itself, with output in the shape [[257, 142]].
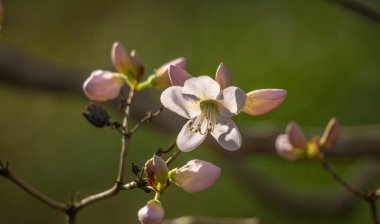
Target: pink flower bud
[[177, 75], [285, 149], [223, 76], [103, 85], [263, 101], [151, 213], [161, 77], [296, 136], [331, 134], [157, 173], [128, 64], [196, 175]]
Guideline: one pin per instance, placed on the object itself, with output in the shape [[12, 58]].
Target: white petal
[[202, 87], [227, 134], [223, 76], [173, 99], [187, 140], [233, 100]]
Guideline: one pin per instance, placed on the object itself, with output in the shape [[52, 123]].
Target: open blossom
[[209, 111], [209, 105], [103, 85], [151, 213], [195, 176]]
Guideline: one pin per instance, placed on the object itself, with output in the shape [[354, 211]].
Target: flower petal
[[262, 101], [202, 87], [187, 140], [233, 100], [284, 148], [223, 76], [196, 175], [173, 99], [177, 75], [151, 213], [331, 134], [227, 134], [296, 136]]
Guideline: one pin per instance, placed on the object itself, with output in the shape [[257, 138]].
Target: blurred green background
[[327, 57]]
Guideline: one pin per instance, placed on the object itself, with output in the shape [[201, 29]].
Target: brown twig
[[360, 8], [148, 118], [173, 157]]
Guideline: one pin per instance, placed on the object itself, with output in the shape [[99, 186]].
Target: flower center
[[209, 112]]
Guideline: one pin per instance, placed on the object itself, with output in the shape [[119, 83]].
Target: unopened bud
[[178, 75], [295, 134], [285, 149], [157, 172], [160, 79], [96, 115], [151, 213], [128, 64], [331, 134], [196, 175]]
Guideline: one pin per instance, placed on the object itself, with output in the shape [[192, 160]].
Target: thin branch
[[373, 209], [8, 174], [160, 151], [360, 8], [148, 118], [173, 157]]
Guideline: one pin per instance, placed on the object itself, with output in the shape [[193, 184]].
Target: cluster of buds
[[293, 145], [195, 176], [104, 85]]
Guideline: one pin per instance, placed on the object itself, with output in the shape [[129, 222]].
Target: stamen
[[209, 112]]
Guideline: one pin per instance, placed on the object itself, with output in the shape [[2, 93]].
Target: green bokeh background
[[327, 57]]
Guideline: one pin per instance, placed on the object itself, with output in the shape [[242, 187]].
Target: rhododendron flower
[[209, 104], [151, 213], [103, 85], [196, 175], [208, 109]]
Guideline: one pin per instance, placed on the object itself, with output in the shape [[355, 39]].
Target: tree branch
[[360, 8]]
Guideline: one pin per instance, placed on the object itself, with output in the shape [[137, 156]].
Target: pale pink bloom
[[178, 75], [196, 175], [209, 111], [285, 149], [151, 213], [161, 77], [296, 136], [103, 85], [223, 76], [263, 101], [125, 62], [331, 134]]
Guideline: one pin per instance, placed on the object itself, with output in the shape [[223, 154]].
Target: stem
[[126, 137], [149, 116], [173, 157], [8, 174], [374, 216]]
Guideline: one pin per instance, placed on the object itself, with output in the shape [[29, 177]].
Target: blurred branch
[[360, 8], [199, 220]]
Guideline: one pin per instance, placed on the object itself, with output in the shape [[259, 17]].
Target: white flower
[[208, 109]]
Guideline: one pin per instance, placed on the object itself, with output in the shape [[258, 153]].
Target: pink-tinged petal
[[187, 140], [233, 100], [178, 75], [137, 65], [284, 148], [160, 78], [103, 85], [331, 134], [263, 101], [223, 76], [196, 175], [185, 106], [296, 136], [125, 62], [202, 87], [151, 213], [227, 134]]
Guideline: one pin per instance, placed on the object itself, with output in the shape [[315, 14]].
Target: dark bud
[[96, 115], [135, 169]]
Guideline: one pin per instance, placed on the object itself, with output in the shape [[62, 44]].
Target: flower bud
[[223, 76], [96, 115], [331, 134], [263, 101], [196, 175], [160, 79], [103, 85], [157, 172], [285, 149], [128, 64], [178, 76], [151, 213], [295, 134]]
